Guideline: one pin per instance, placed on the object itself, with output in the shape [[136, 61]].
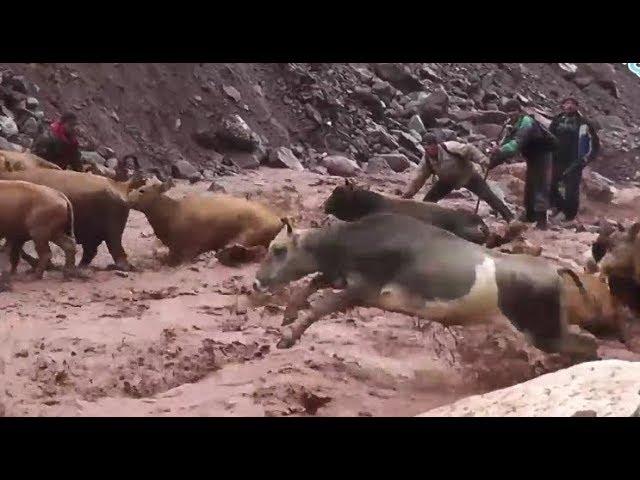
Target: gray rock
[[415, 135], [8, 127], [282, 157], [601, 73], [489, 116], [378, 165], [380, 135], [369, 100], [216, 188], [232, 92], [383, 90], [340, 166], [106, 152], [313, 113], [611, 122], [443, 134], [111, 163], [236, 134], [396, 161], [409, 142], [182, 169], [92, 158], [416, 124], [30, 126], [24, 140], [489, 130], [475, 137], [39, 115], [597, 187], [399, 76], [5, 144], [244, 160], [434, 106], [32, 103], [462, 115], [19, 84]]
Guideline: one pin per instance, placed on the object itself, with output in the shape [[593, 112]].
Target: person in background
[[536, 144], [456, 165], [59, 143], [578, 144]]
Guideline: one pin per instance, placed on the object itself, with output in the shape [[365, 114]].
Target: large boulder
[[607, 388], [92, 158], [378, 166], [603, 74], [396, 161], [489, 116], [399, 76], [8, 127], [409, 142], [340, 166], [597, 187], [370, 101], [489, 130], [244, 160], [416, 124], [182, 169], [235, 134], [430, 107], [283, 157]]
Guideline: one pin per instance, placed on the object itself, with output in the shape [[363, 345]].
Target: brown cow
[[100, 207], [201, 223], [617, 253], [25, 161], [38, 213]]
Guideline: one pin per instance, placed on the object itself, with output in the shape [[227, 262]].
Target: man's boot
[[541, 224]]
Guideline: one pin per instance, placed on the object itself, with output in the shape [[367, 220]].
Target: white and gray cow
[[400, 264]]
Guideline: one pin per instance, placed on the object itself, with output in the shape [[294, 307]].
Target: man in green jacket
[[528, 138]]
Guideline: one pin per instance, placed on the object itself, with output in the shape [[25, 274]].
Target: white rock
[[610, 388]]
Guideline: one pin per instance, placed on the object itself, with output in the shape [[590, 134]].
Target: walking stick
[[498, 140]]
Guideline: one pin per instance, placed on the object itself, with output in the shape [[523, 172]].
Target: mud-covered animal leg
[[89, 252], [334, 302], [114, 244], [68, 246], [299, 298], [44, 256], [15, 247]]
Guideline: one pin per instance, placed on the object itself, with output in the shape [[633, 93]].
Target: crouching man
[[456, 165]]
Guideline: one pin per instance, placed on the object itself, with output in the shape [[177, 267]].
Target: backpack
[[542, 138]]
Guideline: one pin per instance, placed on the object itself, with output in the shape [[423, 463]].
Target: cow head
[[287, 260], [143, 197], [349, 202], [618, 252]]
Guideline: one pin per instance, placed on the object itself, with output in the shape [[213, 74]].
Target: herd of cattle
[[398, 255]]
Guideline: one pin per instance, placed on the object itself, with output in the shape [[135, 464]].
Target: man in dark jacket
[[528, 138], [456, 165], [59, 143], [578, 144]]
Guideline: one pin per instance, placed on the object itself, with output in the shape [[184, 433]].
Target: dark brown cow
[[349, 203], [397, 263]]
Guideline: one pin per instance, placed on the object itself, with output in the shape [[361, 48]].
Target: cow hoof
[[74, 273]]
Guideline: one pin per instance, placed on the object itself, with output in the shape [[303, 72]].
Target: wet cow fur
[[349, 203], [100, 207], [38, 213], [400, 264], [200, 223], [617, 254]]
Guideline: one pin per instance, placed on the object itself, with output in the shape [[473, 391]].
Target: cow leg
[[33, 261], [89, 252], [114, 244], [44, 256], [299, 298], [15, 247], [68, 246], [334, 302]]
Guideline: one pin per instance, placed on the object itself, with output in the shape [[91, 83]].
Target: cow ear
[[166, 186], [287, 223]]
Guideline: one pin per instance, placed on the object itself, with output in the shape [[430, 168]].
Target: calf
[[201, 223], [350, 203], [617, 253], [38, 213], [399, 264]]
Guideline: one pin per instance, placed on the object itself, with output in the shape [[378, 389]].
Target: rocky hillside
[[221, 117]]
